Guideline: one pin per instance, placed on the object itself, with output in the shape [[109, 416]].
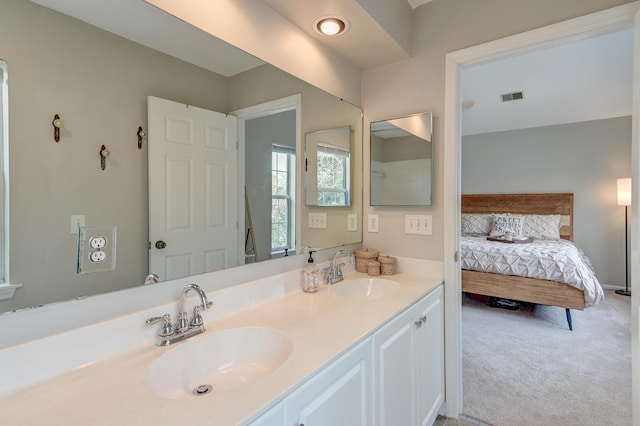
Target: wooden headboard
[[561, 204]]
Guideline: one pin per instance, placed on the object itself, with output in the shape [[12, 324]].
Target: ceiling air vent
[[514, 96]]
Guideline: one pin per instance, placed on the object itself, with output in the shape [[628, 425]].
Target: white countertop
[[322, 326]]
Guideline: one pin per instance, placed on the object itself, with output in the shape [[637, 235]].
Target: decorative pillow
[[542, 226], [507, 222], [476, 224]]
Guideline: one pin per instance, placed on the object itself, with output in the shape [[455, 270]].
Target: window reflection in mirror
[[402, 161], [328, 161], [283, 170]]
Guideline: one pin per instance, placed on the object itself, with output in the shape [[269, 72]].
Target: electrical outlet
[[318, 220], [418, 224], [77, 221], [96, 249], [97, 242], [352, 222], [372, 223], [97, 256]]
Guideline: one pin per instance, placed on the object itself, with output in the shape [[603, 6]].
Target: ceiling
[[140, 22], [366, 44], [579, 81]]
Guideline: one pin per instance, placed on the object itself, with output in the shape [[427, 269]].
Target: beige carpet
[[525, 367]]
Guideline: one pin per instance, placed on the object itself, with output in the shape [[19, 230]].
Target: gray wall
[[582, 158], [418, 85]]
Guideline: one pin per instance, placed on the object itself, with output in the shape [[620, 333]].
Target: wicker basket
[[363, 256], [388, 264], [373, 268]]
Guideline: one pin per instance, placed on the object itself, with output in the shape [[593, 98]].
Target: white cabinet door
[[408, 365], [273, 417], [340, 395], [394, 372], [430, 357]]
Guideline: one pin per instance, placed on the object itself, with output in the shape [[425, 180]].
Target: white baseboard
[[611, 287]]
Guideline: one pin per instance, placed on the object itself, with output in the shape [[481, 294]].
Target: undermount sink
[[366, 288], [216, 363]]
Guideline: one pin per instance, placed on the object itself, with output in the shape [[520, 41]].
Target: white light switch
[[318, 220], [77, 221], [372, 223], [418, 224], [352, 222]]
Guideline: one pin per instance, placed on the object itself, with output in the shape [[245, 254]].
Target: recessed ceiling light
[[331, 25]]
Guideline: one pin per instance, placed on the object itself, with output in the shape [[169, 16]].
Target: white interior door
[[193, 190]]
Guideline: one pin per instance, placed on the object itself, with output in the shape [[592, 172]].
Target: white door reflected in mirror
[[193, 190]]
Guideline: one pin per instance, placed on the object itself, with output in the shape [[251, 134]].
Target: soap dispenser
[[310, 275]]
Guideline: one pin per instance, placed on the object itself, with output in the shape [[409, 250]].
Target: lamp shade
[[624, 192]]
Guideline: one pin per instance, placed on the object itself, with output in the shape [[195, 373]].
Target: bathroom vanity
[[367, 350]]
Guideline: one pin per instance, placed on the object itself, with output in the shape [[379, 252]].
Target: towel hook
[[104, 153], [141, 134]]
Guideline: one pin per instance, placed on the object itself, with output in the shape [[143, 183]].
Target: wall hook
[[104, 153], [141, 134], [58, 123]]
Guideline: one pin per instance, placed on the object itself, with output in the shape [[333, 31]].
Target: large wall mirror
[[98, 83], [402, 161]]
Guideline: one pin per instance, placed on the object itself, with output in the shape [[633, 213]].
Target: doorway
[[254, 137], [598, 23]]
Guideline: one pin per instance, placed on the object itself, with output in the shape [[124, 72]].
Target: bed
[[521, 288]]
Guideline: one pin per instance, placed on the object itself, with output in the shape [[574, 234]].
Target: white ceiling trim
[[416, 3]]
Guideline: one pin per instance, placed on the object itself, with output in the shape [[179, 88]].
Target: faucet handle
[[167, 327], [196, 319]]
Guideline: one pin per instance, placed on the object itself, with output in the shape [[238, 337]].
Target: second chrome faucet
[[333, 274], [184, 327]]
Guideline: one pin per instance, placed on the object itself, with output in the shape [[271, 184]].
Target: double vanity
[[367, 350]]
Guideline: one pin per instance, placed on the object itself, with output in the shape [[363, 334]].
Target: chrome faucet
[[151, 279], [333, 273], [184, 328]]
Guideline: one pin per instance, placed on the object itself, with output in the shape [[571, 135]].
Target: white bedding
[[553, 260]]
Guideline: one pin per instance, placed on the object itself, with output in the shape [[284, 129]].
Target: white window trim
[[290, 197], [7, 290]]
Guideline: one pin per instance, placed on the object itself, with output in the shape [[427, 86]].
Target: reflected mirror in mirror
[[402, 161], [328, 167], [98, 83]]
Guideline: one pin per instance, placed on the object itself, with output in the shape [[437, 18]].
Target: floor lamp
[[624, 199]]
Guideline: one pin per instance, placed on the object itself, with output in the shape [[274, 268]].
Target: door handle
[[160, 244]]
